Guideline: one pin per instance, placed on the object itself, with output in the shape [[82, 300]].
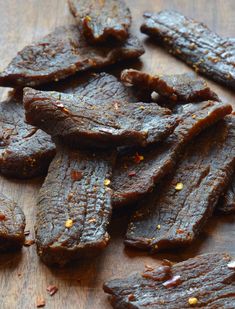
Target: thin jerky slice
[[74, 206], [193, 43], [25, 151], [205, 281], [186, 87], [77, 123], [12, 224], [227, 201], [176, 211], [102, 20], [63, 53], [133, 178]]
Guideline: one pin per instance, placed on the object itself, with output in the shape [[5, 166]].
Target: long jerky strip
[[114, 123], [176, 211], [205, 281], [137, 171], [12, 224], [63, 53], [74, 206], [186, 87], [102, 20], [227, 201], [193, 43], [25, 151]]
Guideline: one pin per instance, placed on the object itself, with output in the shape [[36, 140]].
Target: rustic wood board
[[22, 276]]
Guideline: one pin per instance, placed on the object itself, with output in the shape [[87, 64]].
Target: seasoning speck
[[192, 301], [2, 217], [132, 173], [138, 158], [69, 223], [159, 226], [29, 242], [76, 175], [193, 116], [40, 302], [87, 18], [179, 186], [52, 289], [107, 182], [175, 280]]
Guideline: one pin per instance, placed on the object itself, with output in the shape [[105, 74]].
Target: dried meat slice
[[176, 211], [74, 206], [184, 88], [12, 224], [193, 43], [138, 170], [63, 53], [68, 118], [25, 151], [113, 23], [205, 281], [227, 201]]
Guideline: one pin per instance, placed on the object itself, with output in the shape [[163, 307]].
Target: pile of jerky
[[103, 145]]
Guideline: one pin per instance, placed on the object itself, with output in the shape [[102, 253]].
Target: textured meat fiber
[[132, 179], [112, 123], [12, 224], [74, 206], [63, 53], [194, 43], [178, 88], [176, 211], [113, 23], [25, 151], [227, 201], [207, 279]]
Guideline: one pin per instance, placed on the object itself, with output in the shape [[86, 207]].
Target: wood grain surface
[[22, 276]]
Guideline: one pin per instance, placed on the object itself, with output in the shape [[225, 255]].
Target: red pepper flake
[[131, 297], [132, 173], [138, 158], [29, 242], [40, 302], [27, 232], [76, 175], [174, 281], [2, 217], [52, 289], [180, 231]]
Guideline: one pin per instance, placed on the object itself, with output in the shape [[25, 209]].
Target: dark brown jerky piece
[[77, 123], [193, 43], [206, 281], [63, 53], [12, 224], [102, 19], [25, 151], [73, 214], [227, 200], [186, 87], [177, 210], [132, 179]]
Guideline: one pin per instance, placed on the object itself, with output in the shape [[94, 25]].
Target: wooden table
[[22, 276]]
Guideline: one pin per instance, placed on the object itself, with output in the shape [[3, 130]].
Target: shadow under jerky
[[74, 206], [176, 211], [12, 224], [227, 201]]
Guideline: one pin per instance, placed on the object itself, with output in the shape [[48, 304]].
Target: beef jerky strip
[[137, 171], [114, 21], [205, 281], [227, 201], [74, 206], [12, 224], [114, 123], [193, 43], [176, 211], [25, 151], [183, 88], [63, 53]]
